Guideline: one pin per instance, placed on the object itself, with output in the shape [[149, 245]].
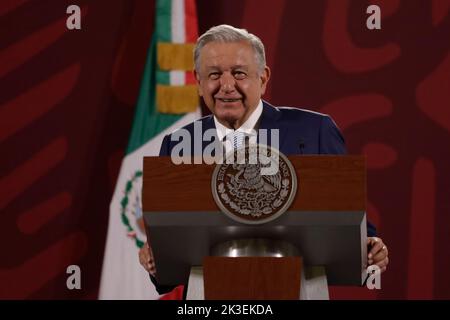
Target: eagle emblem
[[245, 194]]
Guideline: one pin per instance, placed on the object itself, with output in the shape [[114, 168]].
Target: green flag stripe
[[163, 20], [162, 77], [164, 33], [147, 121]]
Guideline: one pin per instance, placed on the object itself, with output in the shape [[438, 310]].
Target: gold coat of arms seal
[[254, 185]]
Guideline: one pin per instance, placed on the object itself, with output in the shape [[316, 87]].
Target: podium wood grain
[[187, 187], [252, 278]]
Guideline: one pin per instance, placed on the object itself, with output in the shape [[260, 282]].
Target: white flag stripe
[[178, 22], [177, 78], [134, 281]]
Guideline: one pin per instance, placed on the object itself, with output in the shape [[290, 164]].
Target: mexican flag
[[167, 100]]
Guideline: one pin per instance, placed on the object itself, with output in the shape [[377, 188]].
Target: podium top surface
[[325, 183]]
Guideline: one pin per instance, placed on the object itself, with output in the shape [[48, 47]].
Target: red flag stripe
[[191, 25], [191, 29]]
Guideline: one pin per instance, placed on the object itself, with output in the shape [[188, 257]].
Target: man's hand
[[378, 253], [146, 259]]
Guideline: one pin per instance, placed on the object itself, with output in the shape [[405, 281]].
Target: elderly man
[[232, 76]]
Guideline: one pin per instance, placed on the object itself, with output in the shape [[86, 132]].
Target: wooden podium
[[325, 224]]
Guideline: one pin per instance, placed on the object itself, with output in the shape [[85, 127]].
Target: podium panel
[[326, 222]]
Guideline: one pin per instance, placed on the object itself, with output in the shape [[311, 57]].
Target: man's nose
[[227, 83]]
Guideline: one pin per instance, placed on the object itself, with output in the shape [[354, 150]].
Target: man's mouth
[[228, 99]]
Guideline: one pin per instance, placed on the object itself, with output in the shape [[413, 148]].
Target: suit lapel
[[270, 120], [208, 123]]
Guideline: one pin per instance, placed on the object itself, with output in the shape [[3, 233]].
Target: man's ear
[[265, 76], [199, 87]]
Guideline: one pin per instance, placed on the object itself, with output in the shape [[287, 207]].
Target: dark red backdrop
[[67, 101]]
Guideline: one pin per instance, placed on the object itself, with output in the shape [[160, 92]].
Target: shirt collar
[[247, 127]]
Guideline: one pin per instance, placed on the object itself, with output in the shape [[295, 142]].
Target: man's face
[[230, 81]]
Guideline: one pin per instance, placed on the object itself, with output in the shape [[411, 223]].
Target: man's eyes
[[239, 75], [214, 75]]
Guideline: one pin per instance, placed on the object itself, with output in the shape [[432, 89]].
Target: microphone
[[301, 145]]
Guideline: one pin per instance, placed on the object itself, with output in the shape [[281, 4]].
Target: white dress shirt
[[237, 136]]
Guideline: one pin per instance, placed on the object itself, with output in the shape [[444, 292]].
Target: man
[[232, 76]]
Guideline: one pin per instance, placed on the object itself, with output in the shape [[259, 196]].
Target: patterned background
[[67, 101]]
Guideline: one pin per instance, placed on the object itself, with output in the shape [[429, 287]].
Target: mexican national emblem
[[255, 188], [131, 209]]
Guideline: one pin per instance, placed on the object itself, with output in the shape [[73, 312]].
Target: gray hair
[[226, 33]]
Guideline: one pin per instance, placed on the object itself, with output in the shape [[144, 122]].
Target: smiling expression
[[230, 81]]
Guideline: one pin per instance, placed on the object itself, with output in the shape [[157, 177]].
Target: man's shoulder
[[297, 113], [293, 116], [205, 122], [318, 131], [188, 131]]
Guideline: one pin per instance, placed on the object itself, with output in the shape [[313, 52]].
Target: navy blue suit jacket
[[301, 132]]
